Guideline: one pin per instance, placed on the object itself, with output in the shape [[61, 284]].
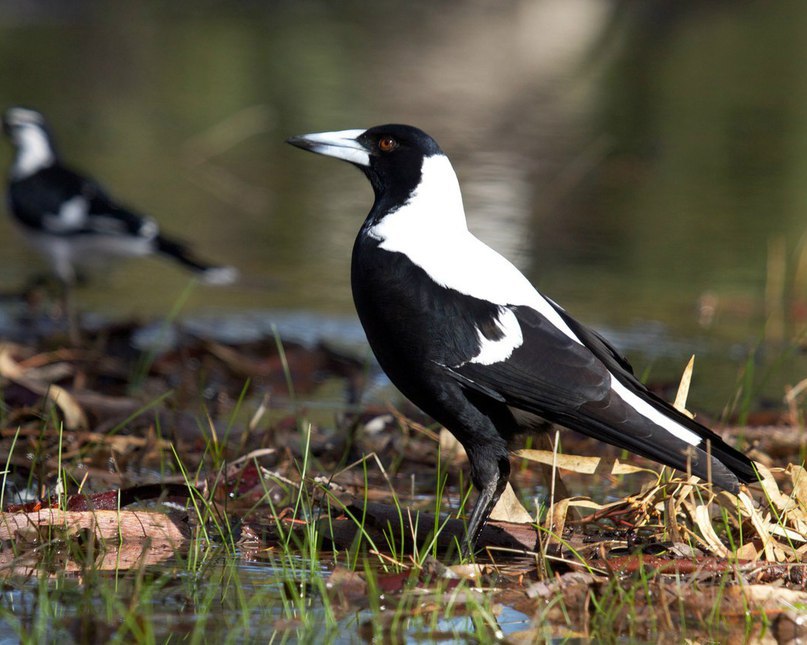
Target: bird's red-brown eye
[[387, 144]]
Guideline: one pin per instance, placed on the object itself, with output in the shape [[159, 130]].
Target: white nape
[[34, 151], [431, 230]]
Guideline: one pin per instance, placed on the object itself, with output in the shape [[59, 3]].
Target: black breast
[[411, 322], [43, 193]]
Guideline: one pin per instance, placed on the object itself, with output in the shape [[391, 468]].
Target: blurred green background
[[644, 162]]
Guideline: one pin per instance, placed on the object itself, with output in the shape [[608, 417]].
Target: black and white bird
[[466, 337], [70, 219]]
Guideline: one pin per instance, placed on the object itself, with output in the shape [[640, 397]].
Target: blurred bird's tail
[[209, 274]]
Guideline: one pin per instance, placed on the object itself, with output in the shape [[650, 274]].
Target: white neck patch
[[34, 152], [433, 209], [430, 229]]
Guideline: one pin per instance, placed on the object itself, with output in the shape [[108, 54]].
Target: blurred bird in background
[[72, 220]]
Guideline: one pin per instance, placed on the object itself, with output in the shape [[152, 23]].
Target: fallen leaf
[[556, 520], [73, 414], [510, 509], [575, 463], [680, 403], [703, 520], [621, 468], [107, 525], [351, 585]]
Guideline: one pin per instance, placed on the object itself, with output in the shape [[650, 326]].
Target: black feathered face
[[20, 123], [396, 154], [30, 136], [390, 155]]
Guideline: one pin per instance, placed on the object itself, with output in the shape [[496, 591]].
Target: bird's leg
[[68, 279], [70, 312], [490, 477], [73, 329]]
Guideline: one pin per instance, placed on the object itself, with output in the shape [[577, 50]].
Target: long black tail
[[625, 425], [711, 458], [210, 274], [634, 419]]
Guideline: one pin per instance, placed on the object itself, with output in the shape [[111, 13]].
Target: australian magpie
[[466, 337], [70, 219]]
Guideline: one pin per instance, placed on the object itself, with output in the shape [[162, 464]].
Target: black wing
[[549, 373], [569, 383], [599, 345], [61, 202]]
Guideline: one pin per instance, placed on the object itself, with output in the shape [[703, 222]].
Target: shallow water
[[227, 600], [635, 162]]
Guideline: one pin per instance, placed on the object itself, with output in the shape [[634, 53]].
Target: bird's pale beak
[[343, 144]]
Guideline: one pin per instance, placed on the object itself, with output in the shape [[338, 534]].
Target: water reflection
[[630, 157]]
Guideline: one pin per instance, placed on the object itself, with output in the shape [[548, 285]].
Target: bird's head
[[393, 156], [29, 134], [20, 124]]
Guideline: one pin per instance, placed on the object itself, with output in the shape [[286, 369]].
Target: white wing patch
[[148, 228], [650, 413], [496, 351], [72, 216], [430, 229]]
